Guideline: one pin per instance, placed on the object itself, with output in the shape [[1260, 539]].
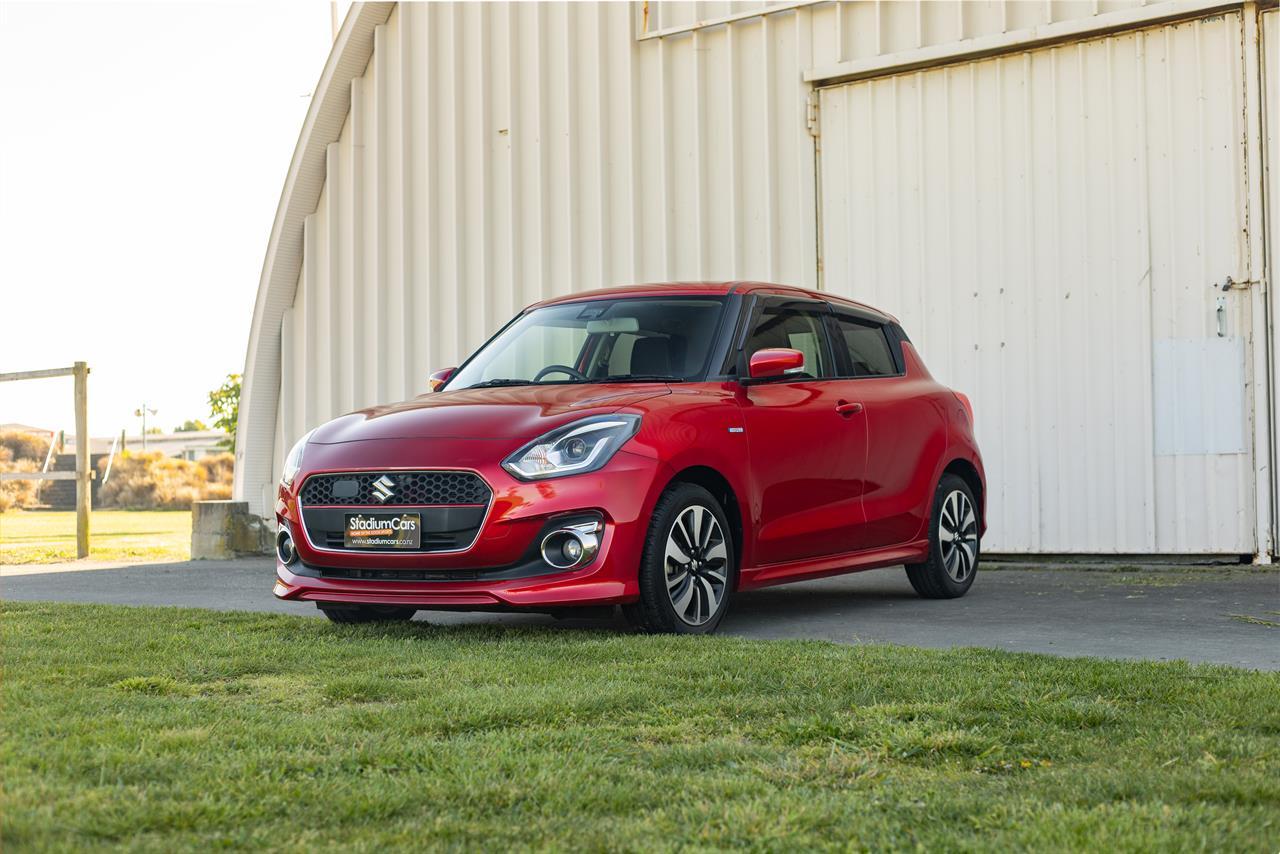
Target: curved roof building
[[1044, 193]]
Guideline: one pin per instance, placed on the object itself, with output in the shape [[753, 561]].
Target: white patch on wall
[[1199, 396]]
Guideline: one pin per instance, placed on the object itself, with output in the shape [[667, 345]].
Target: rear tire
[[369, 614], [688, 569], [952, 564]]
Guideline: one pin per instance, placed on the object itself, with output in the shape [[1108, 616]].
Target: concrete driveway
[[1200, 614]]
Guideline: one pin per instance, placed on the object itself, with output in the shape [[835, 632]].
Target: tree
[[191, 425], [224, 403]]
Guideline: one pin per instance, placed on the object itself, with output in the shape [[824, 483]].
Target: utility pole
[[142, 411], [333, 19]]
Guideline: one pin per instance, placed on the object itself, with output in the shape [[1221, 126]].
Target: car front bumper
[[503, 568]]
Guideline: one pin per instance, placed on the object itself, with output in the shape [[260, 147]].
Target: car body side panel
[[698, 425], [960, 442], [906, 422], [806, 470]]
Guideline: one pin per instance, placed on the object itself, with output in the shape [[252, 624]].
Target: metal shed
[[1065, 203]]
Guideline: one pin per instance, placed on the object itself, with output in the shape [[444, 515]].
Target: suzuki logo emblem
[[382, 488]]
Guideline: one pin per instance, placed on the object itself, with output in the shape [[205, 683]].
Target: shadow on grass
[[56, 539], [575, 630]]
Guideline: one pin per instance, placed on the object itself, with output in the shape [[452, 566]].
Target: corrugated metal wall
[[498, 153], [861, 30], [1048, 225]]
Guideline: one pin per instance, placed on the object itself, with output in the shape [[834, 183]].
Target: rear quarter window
[[867, 348]]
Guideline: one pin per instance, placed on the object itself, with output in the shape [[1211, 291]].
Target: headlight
[[576, 448], [293, 462]]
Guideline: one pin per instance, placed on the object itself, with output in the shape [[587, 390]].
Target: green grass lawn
[[166, 729], [50, 536]]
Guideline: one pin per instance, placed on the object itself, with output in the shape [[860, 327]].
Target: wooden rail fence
[[83, 473]]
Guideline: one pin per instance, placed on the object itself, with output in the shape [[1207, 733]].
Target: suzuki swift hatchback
[[659, 448]]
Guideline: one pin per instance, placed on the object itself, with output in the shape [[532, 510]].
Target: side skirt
[[803, 570]]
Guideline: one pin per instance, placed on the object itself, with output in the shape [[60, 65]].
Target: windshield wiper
[[612, 378], [500, 382], [636, 378]]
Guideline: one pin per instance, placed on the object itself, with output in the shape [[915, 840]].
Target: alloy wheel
[[958, 535], [697, 565]]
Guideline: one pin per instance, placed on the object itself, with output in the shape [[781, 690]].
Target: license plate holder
[[382, 531]]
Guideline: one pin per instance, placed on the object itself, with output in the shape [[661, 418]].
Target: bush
[[152, 481], [25, 446], [17, 493], [217, 492], [218, 468]]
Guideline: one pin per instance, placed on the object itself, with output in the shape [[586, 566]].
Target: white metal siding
[[497, 154], [862, 30], [262, 406], [1040, 222]]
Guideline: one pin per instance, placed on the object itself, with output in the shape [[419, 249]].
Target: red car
[[657, 447]]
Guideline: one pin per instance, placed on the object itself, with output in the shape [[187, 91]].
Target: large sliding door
[[1050, 227]]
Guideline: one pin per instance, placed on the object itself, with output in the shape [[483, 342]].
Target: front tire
[[369, 614], [952, 564], [688, 568]]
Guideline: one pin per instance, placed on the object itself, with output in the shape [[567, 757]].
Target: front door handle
[[846, 408]]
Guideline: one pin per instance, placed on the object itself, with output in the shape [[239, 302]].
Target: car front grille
[[395, 489], [450, 504]]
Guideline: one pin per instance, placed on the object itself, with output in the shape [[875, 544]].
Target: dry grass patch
[[23, 452], [153, 481]]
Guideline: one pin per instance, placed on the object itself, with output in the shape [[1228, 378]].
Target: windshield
[[620, 340]]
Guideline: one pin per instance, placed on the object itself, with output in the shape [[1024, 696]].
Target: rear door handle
[[846, 408]]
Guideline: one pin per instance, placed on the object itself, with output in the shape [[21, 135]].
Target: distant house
[[27, 428], [191, 445]]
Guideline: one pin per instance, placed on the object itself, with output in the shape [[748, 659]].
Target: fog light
[[284, 548], [572, 545]]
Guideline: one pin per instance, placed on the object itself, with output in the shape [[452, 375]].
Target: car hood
[[520, 412]]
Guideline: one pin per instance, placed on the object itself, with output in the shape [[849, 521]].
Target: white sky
[[143, 147]]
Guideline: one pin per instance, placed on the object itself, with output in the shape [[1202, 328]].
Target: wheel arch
[[718, 485], [968, 472]]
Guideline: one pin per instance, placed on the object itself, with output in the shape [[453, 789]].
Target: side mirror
[[774, 362], [439, 378]]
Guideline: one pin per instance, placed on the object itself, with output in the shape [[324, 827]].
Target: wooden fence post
[[83, 473]]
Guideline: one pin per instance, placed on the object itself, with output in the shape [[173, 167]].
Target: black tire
[[656, 611], [949, 570], [369, 614]]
